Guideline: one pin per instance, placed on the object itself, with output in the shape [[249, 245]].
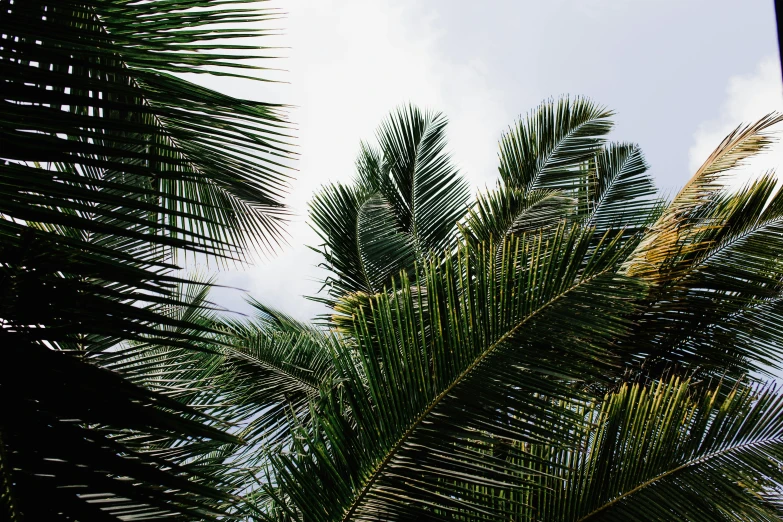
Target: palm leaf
[[435, 383], [622, 193], [112, 163], [545, 150], [108, 106], [672, 234], [257, 376], [703, 314], [667, 452], [284, 364], [405, 202], [52, 404], [423, 187], [505, 211], [363, 244]]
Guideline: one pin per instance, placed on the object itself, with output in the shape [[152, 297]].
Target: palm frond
[[505, 211], [90, 86], [489, 359], [546, 149], [335, 212], [255, 377], [418, 179], [284, 365], [405, 202], [363, 244], [622, 193], [700, 315], [111, 164], [57, 418], [673, 233], [668, 452]]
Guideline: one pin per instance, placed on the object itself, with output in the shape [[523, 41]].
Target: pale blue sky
[[678, 73]]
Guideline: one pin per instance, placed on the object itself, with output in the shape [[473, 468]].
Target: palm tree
[[113, 167], [571, 347], [566, 347]]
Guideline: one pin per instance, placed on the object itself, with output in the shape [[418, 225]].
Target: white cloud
[[350, 63], [748, 98]]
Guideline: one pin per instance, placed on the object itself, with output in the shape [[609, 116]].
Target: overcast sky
[[680, 74]]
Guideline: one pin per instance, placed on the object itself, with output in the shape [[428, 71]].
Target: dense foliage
[[570, 347], [565, 346], [110, 165]]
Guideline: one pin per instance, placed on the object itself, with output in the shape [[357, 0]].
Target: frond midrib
[[359, 253], [415, 185]]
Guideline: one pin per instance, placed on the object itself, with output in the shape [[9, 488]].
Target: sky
[[679, 74]]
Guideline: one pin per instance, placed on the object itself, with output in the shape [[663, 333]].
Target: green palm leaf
[[700, 316], [106, 106], [423, 187], [553, 166], [668, 452], [257, 376], [622, 193], [405, 202], [291, 359], [53, 449], [481, 363], [364, 245], [546, 149], [505, 211]]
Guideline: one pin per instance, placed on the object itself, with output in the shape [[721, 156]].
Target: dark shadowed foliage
[[111, 166]]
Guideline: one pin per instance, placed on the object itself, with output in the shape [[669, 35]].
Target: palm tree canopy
[[577, 349], [566, 347]]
